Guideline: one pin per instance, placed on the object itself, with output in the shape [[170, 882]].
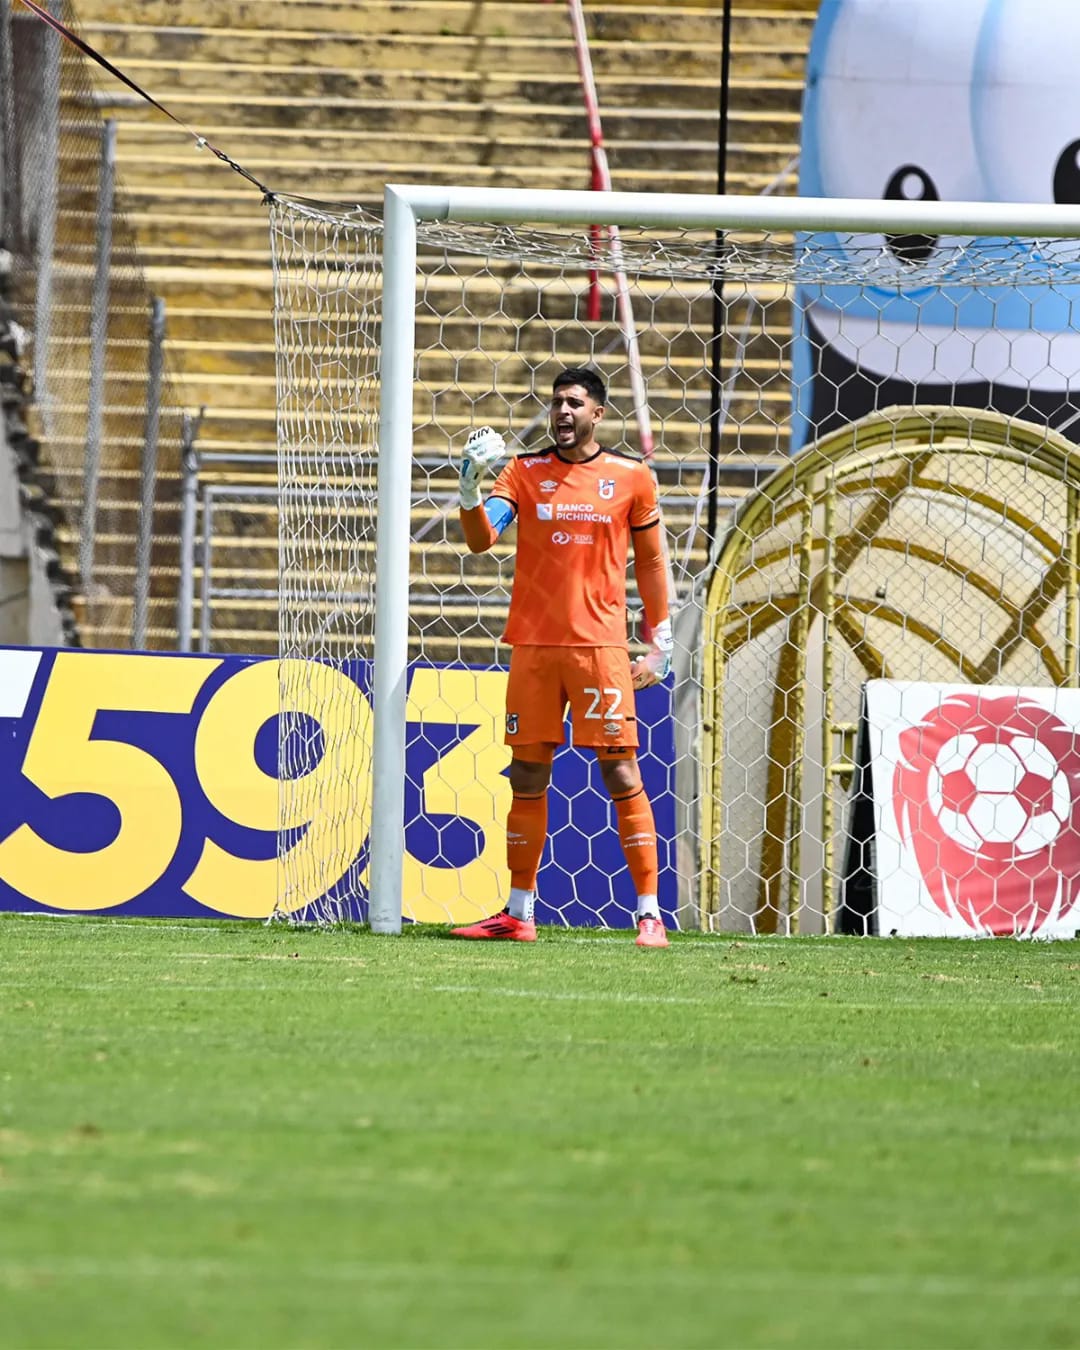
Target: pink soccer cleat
[[650, 932], [502, 926]]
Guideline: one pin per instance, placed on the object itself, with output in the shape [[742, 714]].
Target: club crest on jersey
[[543, 510], [511, 724], [607, 489]]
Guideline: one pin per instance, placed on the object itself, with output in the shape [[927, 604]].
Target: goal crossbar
[[405, 207], [698, 211]]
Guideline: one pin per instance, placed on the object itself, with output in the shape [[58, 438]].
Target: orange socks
[[526, 833], [637, 834]]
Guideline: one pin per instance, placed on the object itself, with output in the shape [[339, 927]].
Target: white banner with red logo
[[976, 795]]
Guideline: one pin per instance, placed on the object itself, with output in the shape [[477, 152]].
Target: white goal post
[[408, 207]]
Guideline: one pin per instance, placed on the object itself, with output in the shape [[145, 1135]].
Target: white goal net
[[862, 437]]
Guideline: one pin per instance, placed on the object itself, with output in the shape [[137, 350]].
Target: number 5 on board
[[61, 758]]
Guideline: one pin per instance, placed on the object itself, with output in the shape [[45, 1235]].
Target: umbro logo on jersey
[[548, 485], [543, 510]]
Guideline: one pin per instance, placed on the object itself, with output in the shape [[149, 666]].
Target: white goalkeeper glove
[[483, 449], [654, 666]]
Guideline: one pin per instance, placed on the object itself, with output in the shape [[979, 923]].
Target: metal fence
[[103, 407]]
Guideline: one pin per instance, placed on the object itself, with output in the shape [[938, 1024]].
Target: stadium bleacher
[[333, 99]]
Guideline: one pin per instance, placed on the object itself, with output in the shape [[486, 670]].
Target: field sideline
[[228, 1135]]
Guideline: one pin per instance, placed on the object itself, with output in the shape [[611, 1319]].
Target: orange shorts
[[593, 681]]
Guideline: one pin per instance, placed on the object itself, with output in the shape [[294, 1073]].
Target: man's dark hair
[[589, 380]]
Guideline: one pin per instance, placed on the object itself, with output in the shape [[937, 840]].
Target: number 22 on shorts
[[598, 695]]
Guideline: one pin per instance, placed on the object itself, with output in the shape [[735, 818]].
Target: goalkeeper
[[578, 508]]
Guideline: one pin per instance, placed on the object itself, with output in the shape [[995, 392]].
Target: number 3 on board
[[466, 782]]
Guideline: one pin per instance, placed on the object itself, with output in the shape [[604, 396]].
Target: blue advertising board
[[148, 785]]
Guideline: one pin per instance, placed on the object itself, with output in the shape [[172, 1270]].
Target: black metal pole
[[717, 341]]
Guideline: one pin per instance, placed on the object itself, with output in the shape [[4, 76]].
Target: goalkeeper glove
[[483, 448], [654, 666]]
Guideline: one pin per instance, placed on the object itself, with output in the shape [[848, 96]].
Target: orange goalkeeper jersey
[[574, 523]]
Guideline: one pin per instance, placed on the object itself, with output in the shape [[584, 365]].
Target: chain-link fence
[[105, 426]]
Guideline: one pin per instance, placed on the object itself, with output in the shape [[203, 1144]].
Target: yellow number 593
[[326, 809]]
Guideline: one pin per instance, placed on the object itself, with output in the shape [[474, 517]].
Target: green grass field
[[229, 1135]]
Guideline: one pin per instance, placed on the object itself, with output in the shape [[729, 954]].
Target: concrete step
[[254, 464], [253, 532], [201, 371], [244, 234], [557, 85], [440, 368], [464, 18], [247, 565], [239, 329], [212, 195], [219, 114], [251, 431], [677, 413], [453, 263], [663, 346], [347, 179], [245, 557], [668, 359], [172, 240], [680, 305], [483, 399], [242, 641], [430, 619], [168, 235], [658, 56], [453, 146]]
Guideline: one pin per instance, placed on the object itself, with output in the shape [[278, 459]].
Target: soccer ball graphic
[[986, 795], [1007, 795]]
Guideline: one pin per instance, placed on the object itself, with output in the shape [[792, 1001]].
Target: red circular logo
[[986, 794]]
